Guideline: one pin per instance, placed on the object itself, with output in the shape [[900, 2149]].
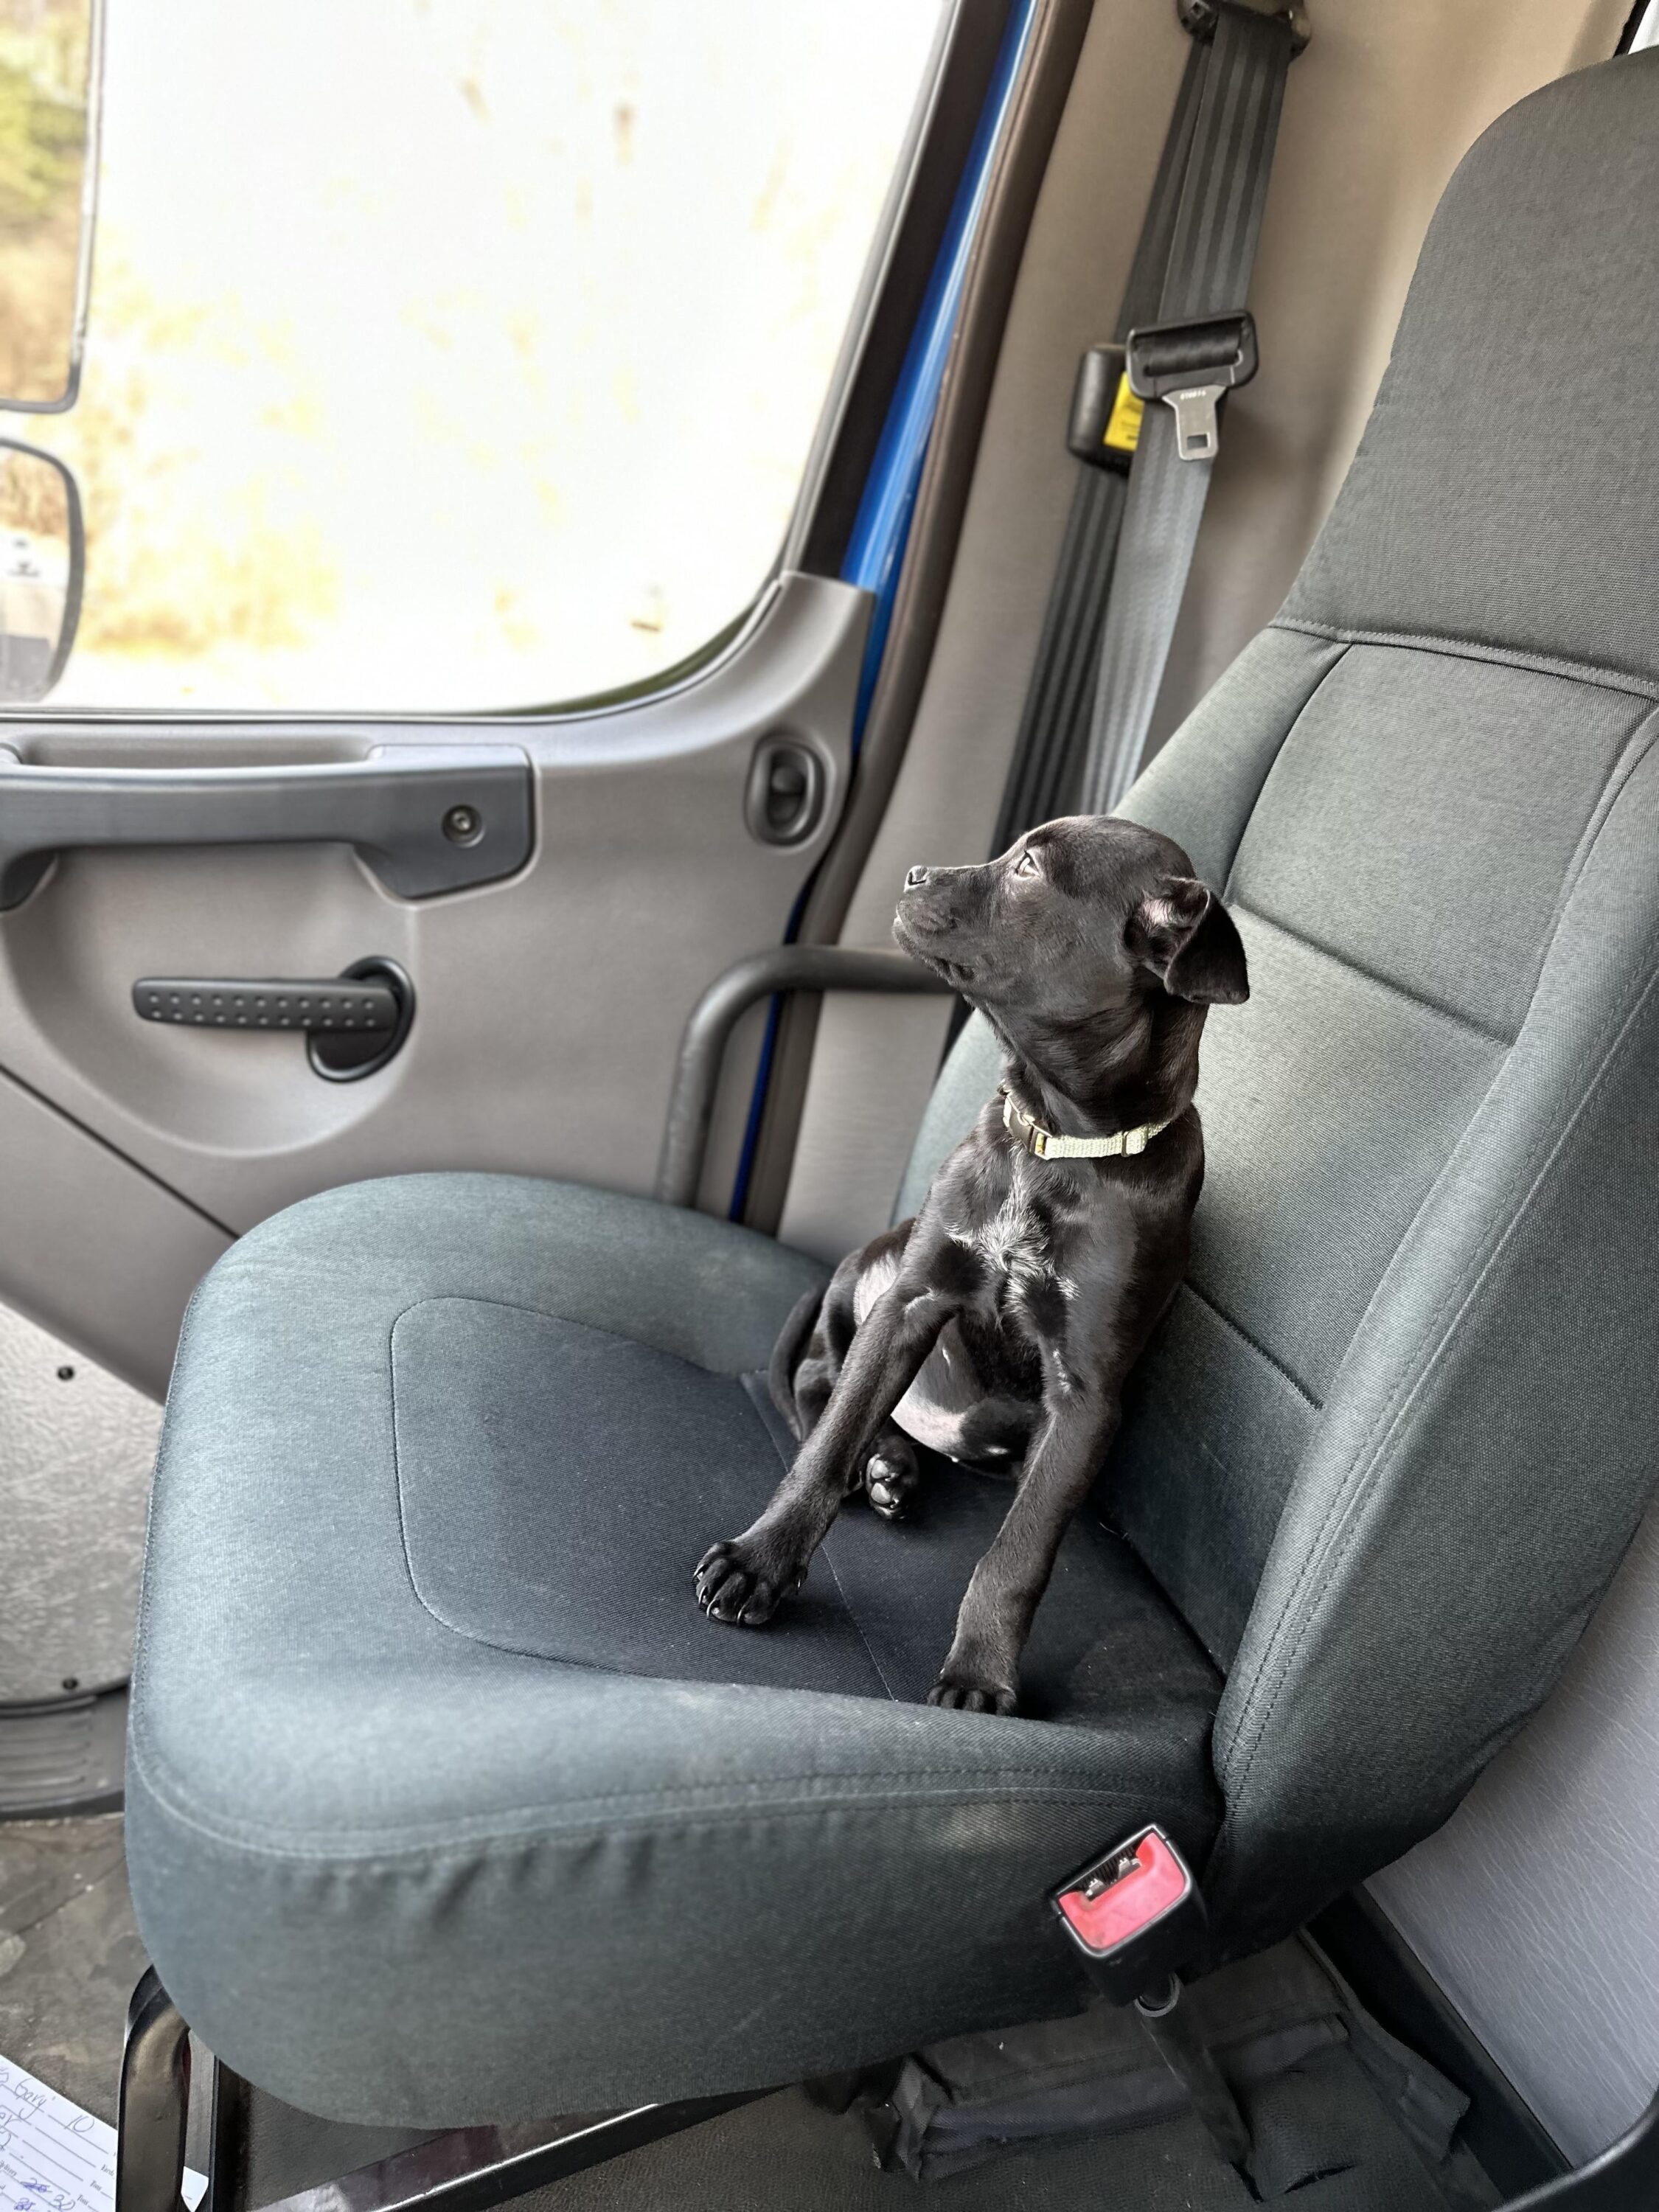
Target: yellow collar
[[1046, 1144]]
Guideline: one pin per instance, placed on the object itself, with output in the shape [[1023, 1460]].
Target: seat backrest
[[1402, 1420]]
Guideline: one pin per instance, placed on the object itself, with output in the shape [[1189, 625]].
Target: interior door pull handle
[[332, 1003], [423, 818]]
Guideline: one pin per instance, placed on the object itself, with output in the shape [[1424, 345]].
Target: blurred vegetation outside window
[[447, 355], [43, 143]]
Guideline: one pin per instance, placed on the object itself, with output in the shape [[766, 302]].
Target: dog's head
[[1077, 918]]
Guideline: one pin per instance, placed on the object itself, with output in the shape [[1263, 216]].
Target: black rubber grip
[[202, 1002]]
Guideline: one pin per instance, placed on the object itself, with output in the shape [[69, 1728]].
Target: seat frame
[[475, 2169], [461, 2169]]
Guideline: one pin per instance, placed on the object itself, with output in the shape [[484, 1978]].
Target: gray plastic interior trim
[[552, 1005], [92, 1249], [1535, 1908], [392, 808], [76, 1447]]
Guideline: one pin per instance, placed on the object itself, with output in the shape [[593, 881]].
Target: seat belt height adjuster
[[1104, 425]]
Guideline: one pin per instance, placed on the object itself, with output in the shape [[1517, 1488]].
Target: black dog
[[998, 1325]]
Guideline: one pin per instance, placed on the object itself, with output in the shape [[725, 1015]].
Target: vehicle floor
[[785, 2152], [70, 1952]]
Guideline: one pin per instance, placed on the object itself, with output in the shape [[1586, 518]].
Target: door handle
[[353, 1023], [422, 818], [328, 1003]]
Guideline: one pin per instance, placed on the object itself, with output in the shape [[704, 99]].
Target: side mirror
[[42, 560], [49, 69]]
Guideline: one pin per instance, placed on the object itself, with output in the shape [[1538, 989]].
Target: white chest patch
[[1016, 1243]]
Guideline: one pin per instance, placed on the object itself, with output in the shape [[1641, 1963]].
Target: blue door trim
[[875, 552]]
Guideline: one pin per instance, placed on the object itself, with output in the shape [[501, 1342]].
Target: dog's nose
[[916, 878]]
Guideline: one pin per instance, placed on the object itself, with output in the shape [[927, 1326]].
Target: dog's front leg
[[981, 1674], [745, 1580]]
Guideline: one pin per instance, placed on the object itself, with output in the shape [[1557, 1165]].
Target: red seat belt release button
[[1135, 1915]]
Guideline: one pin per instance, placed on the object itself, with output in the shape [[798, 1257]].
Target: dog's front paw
[[969, 1689], [746, 1580]]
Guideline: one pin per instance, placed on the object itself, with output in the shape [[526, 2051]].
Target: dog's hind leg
[[812, 1349], [891, 1473], [795, 1357], [813, 1343]]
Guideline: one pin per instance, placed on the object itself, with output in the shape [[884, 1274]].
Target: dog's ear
[[1186, 937]]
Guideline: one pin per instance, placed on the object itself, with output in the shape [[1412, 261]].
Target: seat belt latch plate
[[1191, 366], [1135, 1915]]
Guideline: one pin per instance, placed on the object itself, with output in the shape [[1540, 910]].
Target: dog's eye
[[1026, 865]]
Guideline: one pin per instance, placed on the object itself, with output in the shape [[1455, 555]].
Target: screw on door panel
[[463, 825]]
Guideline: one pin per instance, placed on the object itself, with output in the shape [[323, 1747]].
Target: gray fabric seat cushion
[[445, 1803]]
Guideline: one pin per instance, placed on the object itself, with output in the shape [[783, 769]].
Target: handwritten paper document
[[56, 2157]]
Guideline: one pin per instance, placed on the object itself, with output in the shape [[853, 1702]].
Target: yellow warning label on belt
[[1123, 429]]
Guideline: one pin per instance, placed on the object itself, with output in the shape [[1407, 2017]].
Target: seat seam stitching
[[835, 1572], [996, 1774], [570, 1320], [163, 1453], [1363, 1461], [1352, 967], [1593, 675], [1320, 681], [1260, 1349], [1634, 751], [398, 1468], [1433, 1342], [1410, 1381], [373, 1861], [990, 1788], [835, 1575], [496, 1642]]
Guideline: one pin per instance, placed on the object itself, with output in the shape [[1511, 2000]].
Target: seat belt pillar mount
[[1134, 1916], [1198, 18], [1191, 366]]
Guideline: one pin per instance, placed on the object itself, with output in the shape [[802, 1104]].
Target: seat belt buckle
[[1135, 1915], [1104, 426], [1191, 366]]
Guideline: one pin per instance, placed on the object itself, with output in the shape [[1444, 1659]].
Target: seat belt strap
[[1044, 777], [1197, 242], [1208, 279]]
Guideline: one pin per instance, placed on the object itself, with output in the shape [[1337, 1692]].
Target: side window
[[461, 354]]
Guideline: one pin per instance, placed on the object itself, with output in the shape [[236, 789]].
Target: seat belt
[[1182, 338]]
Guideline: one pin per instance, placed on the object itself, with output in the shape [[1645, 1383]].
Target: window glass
[[461, 354]]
